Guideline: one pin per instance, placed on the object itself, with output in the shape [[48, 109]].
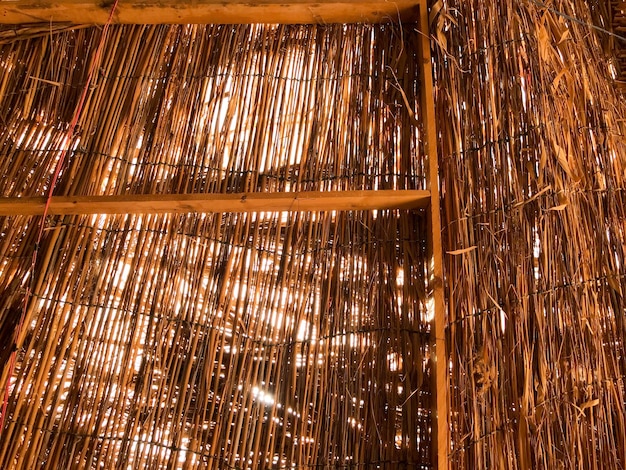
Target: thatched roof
[[303, 339], [209, 339], [533, 169], [617, 15]]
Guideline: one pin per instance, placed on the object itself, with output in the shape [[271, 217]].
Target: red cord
[[55, 177]]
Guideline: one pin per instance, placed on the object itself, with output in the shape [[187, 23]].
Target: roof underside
[[259, 340], [218, 340], [618, 25]]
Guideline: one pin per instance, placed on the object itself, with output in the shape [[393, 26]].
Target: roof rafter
[[231, 202], [208, 11]]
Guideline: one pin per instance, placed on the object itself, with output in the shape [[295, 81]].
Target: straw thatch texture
[[533, 162], [616, 13], [220, 110], [215, 341]]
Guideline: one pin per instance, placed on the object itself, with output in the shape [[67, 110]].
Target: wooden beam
[[441, 410], [233, 202], [207, 11]]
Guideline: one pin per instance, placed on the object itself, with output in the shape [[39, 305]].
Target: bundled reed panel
[[225, 341], [615, 18], [533, 162], [214, 109], [263, 340]]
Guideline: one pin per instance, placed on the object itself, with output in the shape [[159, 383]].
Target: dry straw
[[215, 341], [271, 340], [533, 162], [616, 12]]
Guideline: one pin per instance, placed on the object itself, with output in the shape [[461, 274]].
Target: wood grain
[[233, 202]]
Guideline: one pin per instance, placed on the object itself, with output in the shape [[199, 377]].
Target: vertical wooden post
[[439, 354]]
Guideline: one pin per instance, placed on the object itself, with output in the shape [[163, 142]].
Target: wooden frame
[[234, 202], [272, 11], [206, 11], [441, 427]]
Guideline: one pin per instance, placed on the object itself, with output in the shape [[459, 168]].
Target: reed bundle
[[616, 12], [533, 169], [275, 340], [270, 340]]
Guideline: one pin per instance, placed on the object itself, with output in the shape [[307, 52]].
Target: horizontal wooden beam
[[207, 11], [233, 202]]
